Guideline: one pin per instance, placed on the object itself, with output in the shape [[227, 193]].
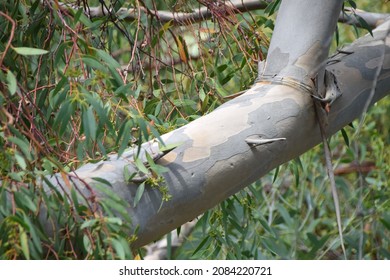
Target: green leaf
[[109, 192], [220, 89], [124, 136], [11, 82], [272, 7], [364, 24], [337, 36], [111, 62], [285, 215], [23, 145], [20, 160], [169, 147], [89, 223], [87, 244], [63, 117], [276, 174], [33, 233], [202, 94], [114, 220], [127, 175], [143, 126], [118, 207], [24, 200], [94, 63], [24, 243], [89, 124], [352, 3], [118, 247], [202, 244], [101, 180], [141, 166], [159, 169], [29, 51], [345, 136], [386, 222], [265, 225], [139, 193]]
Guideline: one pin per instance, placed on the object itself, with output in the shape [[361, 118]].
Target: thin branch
[[10, 37], [329, 166], [372, 19]]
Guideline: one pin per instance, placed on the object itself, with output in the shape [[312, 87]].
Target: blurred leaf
[[169, 147], [272, 7], [23, 145], [118, 249], [364, 24], [22, 163], [127, 175], [124, 137], [89, 124], [102, 180], [141, 166], [276, 174], [139, 193], [286, 216], [352, 3], [12, 84], [202, 244], [25, 201], [29, 51], [89, 223], [345, 136], [111, 62], [93, 63], [24, 243]]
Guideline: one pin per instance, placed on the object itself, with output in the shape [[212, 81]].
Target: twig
[[329, 167], [11, 36]]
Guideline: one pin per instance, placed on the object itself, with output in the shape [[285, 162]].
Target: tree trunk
[[271, 123]]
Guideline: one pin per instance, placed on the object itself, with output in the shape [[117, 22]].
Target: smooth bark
[[214, 160]]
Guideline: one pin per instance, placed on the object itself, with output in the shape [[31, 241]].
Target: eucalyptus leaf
[[11, 82], [139, 193], [29, 51]]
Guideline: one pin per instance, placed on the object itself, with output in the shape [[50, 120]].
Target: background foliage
[[74, 88]]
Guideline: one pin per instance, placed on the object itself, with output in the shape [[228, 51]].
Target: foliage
[[290, 215], [76, 87]]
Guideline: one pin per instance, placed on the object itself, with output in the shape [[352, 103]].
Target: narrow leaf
[[89, 223], [276, 174], [108, 59], [120, 252], [345, 136], [139, 193], [103, 181], [11, 82], [29, 51], [89, 124], [24, 243], [201, 245]]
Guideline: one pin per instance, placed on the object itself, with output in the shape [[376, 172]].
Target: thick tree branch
[[178, 18], [214, 161], [204, 13]]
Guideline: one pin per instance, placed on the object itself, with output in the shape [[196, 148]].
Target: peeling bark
[[214, 160]]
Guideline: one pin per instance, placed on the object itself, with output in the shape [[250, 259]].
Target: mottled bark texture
[[214, 160]]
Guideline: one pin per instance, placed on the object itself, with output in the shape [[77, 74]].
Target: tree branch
[[205, 169], [204, 13]]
